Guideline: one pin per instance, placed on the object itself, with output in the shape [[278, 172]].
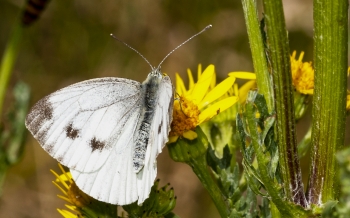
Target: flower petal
[[307, 91], [172, 139], [235, 88], [190, 79], [201, 87], [199, 71], [243, 91], [243, 75], [301, 56], [66, 214], [66, 177], [180, 86], [216, 108], [190, 135], [71, 207], [213, 82], [217, 92]]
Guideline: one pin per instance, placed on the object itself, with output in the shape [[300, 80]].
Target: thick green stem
[[328, 127], [263, 77], [199, 166], [284, 101], [8, 61]]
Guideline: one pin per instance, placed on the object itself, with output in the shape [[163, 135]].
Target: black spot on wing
[[40, 113], [60, 159], [71, 132], [96, 144], [48, 148], [137, 166], [160, 127]]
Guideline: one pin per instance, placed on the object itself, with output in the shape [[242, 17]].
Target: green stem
[[328, 127], [263, 77], [199, 167], [193, 153], [284, 101], [273, 189], [8, 61]]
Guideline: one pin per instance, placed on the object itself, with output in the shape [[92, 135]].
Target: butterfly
[[108, 132]]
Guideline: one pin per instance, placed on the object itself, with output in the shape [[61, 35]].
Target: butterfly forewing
[[79, 124], [116, 181]]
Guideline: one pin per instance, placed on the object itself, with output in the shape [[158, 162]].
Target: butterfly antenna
[[206, 28], [119, 40]]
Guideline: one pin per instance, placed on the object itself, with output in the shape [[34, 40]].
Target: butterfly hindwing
[[115, 182], [79, 124]]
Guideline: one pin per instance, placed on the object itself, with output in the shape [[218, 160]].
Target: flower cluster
[[302, 74]]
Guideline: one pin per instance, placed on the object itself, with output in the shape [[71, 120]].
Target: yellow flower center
[[185, 116], [76, 196], [302, 74]]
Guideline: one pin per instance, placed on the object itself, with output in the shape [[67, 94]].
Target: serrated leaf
[[236, 214], [246, 206], [260, 102], [245, 140], [252, 207], [216, 163], [268, 124], [229, 181], [253, 179]]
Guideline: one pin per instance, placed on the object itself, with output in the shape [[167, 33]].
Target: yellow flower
[[302, 74], [71, 194], [201, 101]]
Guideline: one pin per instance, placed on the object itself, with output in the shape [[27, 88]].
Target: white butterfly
[[108, 131]]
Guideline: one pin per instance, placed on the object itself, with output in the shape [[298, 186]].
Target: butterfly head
[[156, 73]]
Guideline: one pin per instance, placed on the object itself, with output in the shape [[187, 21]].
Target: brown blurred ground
[[71, 43]]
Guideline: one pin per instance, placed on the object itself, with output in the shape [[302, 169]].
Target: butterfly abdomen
[[150, 88]]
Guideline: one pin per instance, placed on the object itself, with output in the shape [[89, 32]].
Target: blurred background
[[71, 42]]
